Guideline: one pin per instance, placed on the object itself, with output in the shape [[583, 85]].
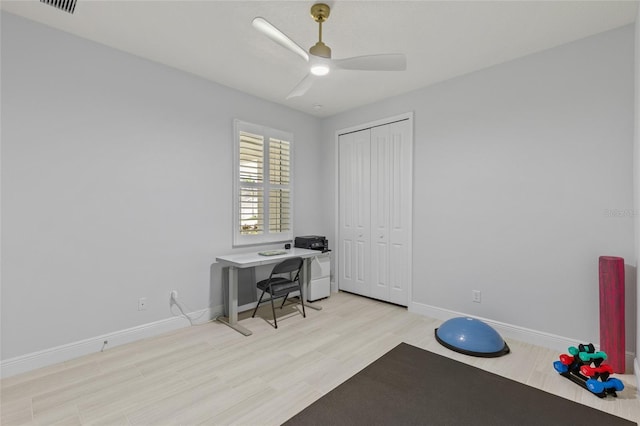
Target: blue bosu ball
[[471, 336]]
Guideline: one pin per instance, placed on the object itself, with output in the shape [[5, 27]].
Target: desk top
[[248, 260]]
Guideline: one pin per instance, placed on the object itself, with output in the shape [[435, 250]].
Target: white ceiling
[[442, 39]]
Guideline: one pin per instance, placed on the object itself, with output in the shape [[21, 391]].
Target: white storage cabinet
[[320, 280]]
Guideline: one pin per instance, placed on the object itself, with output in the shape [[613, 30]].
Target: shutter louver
[[251, 211], [251, 158], [279, 162], [279, 210]]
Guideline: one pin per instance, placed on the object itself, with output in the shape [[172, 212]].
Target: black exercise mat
[[412, 386]]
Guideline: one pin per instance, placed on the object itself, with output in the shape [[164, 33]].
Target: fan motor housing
[[321, 49]]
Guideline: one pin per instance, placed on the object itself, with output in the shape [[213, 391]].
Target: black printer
[[312, 242]]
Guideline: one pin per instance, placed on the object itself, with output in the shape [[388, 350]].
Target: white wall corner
[[636, 192], [51, 356]]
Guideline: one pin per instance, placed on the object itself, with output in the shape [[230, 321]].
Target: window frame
[[267, 237]]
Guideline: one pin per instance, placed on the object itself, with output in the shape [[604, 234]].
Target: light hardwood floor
[[210, 374]]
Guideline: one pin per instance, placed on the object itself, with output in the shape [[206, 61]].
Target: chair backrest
[[288, 265]]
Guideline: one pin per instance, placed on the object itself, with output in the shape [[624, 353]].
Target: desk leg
[[306, 274], [232, 321]]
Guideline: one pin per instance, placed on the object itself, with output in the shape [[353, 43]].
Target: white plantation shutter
[[279, 162], [251, 158], [251, 164], [251, 211], [279, 210], [279, 178], [263, 205]]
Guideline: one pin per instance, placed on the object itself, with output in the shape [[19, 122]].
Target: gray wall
[[515, 167], [116, 185]]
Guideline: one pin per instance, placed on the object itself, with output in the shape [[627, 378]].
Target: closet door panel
[[400, 182], [346, 262], [380, 192], [355, 260]]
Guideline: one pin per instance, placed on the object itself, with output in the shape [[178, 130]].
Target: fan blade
[[279, 37], [384, 62], [302, 87]]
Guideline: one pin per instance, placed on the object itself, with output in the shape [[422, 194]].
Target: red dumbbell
[[589, 371], [566, 359]]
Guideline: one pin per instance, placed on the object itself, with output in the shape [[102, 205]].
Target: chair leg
[[304, 315], [275, 321], [256, 309], [284, 300]]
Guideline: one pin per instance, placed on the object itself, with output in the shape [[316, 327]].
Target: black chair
[[280, 286]]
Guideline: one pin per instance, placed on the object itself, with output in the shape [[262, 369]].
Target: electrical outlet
[[142, 304], [477, 296]]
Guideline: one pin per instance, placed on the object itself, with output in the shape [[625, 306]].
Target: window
[[263, 198]]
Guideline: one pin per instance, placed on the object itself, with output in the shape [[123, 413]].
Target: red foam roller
[[612, 311]]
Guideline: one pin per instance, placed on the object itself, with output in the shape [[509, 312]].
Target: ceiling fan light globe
[[319, 66], [320, 69]]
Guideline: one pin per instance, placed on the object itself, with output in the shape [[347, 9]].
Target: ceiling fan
[[319, 55]]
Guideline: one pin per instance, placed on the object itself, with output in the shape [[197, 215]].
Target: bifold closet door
[[375, 212], [354, 262], [390, 211]]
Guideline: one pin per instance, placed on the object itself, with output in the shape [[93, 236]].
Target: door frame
[[336, 193]]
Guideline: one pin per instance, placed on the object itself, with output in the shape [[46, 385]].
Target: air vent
[[66, 5]]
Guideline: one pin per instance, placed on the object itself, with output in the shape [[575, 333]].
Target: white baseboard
[[535, 337], [44, 358]]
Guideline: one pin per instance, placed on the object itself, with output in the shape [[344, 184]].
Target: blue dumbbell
[[596, 386], [560, 367], [614, 383]]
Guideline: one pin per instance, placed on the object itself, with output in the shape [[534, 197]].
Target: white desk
[[250, 260]]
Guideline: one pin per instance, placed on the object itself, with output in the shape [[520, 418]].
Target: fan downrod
[[320, 13]]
